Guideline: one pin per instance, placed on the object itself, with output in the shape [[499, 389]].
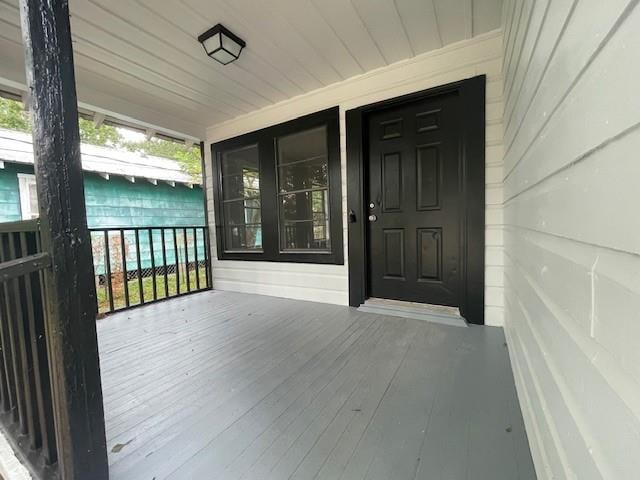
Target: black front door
[[415, 202]]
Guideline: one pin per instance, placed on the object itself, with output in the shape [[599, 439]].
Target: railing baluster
[[34, 399], [125, 276], [195, 254], [107, 270], [153, 265], [207, 250], [25, 385], [178, 271], [40, 359], [175, 251], [164, 262], [139, 266], [4, 388], [7, 353], [186, 259], [9, 402], [14, 314]]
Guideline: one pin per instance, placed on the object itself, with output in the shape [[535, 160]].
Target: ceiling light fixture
[[221, 44]]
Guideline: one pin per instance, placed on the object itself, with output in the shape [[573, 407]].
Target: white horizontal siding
[[325, 283], [321, 283], [572, 239]]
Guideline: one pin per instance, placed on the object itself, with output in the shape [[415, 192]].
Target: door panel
[[393, 239], [392, 182], [430, 254], [428, 177], [415, 202]]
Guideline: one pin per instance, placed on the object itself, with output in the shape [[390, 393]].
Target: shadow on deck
[[222, 385]]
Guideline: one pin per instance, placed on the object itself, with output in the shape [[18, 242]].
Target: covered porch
[[477, 155], [232, 385]]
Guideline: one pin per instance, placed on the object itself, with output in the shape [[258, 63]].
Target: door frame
[[472, 144]]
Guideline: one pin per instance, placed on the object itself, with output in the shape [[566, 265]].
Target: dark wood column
[[71, 296]]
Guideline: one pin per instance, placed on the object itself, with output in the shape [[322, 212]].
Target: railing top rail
[[23, 266], [152, 227], [20, 226]]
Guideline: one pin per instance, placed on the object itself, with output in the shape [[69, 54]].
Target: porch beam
[[71, 299]]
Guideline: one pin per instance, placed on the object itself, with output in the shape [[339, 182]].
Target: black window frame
[[266, 139]]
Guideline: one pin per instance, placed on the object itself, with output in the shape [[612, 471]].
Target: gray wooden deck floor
[[223, 385]]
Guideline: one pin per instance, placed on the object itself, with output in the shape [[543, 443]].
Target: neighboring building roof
[[17, 147]]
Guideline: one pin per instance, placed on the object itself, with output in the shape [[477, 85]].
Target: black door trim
[[472, 96]]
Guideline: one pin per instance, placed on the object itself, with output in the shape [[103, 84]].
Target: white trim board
[[25, 182]]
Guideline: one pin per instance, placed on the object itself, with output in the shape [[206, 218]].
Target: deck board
[[233, 386]]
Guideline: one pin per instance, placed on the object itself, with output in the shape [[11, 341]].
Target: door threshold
[[440, 314]]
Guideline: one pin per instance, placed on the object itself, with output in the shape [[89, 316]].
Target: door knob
[[373, 218]]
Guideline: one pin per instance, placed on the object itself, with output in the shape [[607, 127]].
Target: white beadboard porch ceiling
[[141, 59]]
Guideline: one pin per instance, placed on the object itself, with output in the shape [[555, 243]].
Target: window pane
[[303, 183], [243, 237], [302, 146], [303, 175], [241, 212], [305, 220], [241, 197], [240, 174]]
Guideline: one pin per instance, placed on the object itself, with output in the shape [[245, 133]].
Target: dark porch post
[[71, 296]]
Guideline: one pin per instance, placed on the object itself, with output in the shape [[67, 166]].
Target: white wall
[[572, 231], [481, 55]]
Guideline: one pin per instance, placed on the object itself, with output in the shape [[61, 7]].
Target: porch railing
[[133, 266], [138, 265], [26, 409]]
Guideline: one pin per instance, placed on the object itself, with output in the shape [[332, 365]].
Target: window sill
[[323, 258]]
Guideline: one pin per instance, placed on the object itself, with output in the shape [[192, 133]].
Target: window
[[278, 192], [28, 196], [241, 198], [303, 190]]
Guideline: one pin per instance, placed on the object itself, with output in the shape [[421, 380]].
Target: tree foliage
[[188, 157], [104, 135], [14, 117]]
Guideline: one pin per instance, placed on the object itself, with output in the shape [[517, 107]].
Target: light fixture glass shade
[[230, 46], [212, 44], [221, 44], [222, 56]]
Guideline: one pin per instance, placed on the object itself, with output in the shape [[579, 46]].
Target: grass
[[147, 289]]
